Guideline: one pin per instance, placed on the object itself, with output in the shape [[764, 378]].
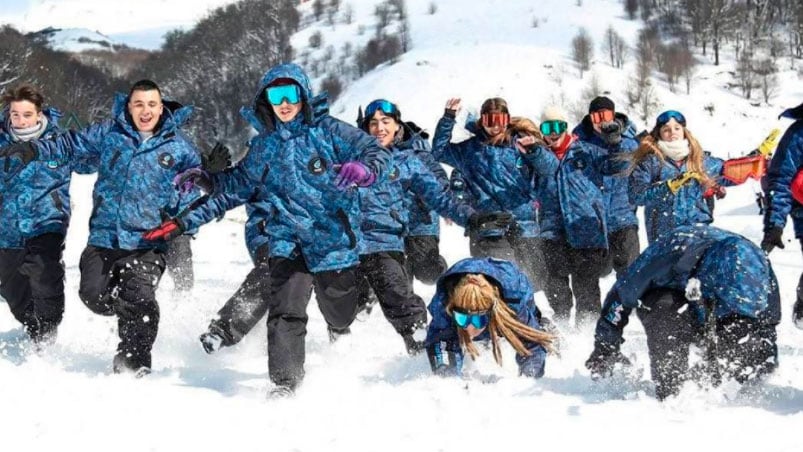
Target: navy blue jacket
[[134, 191], [424, 221], [786, 162], [290, 166], [620, 212], [733, 272], [516, 291], [494, 174]]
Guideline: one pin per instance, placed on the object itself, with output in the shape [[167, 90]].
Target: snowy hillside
[[74, 40], [364, 393]]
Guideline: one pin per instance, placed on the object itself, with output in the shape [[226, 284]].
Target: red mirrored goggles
[[495, 119], [600, 116]]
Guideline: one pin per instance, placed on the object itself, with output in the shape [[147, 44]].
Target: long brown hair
[[649, 145], [494, 105], [474, 292], [521, 126]]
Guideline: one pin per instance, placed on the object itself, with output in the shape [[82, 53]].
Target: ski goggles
[[279, 93], [664, 118], [496, 119], [600, 116], [386, 107], [555, 127], [479, 319]]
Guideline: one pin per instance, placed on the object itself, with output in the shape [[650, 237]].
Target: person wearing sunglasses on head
[[611, 130], [670, 174], [307, 165], [136, 154], [694, 285], [783, 186], [486, 299], [498, 183], [572, 213]]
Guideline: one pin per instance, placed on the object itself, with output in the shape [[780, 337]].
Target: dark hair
[[494, 104], [24, 92], [144, 85]]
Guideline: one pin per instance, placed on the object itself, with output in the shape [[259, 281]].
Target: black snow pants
[[423, 259], [584, 267], [624, 248], [178, 259], [525, 252]]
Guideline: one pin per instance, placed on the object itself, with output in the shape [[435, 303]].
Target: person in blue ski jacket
[[613, 131], [786, 163], [385, 218], [136, 154], [497, 182], [572, 213], [34, 215], [695, 284], [307, 165], [670, 174], [480, 299]]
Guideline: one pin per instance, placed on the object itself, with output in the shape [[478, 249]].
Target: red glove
[[166, 231]]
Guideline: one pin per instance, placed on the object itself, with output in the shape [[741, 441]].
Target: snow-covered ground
[[364, 393]]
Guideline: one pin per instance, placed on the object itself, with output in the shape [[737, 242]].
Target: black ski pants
[[525, 252], [178, 259], [290, 288], [123, 283], [583, 266], [32, 283], [423, 259], [385, 273], [624, 248]]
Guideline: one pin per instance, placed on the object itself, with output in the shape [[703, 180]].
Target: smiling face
[[286, 111], [23, 114], [671, 131], [145, 108], [383, 127]]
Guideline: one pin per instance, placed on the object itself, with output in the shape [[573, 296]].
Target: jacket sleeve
[[81, 147], [434, 166], [443, 150], [786, 162], [437, 196], [543, 161], [354, 144], [611, 323], [208, 208], [642, 188], [714, 167]]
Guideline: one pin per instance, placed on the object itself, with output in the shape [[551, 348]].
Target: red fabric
[[563, 146], [797, 187], [163, 232]]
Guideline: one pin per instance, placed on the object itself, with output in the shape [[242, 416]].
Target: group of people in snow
[[353, 214]]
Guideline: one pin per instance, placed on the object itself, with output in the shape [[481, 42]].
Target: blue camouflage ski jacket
[[134, 191], [495, 176], [34, 199], [785, 163], [290, 166], [620, 212], [385, 217], [256, 233], [516, 292], [570, 193], [733, 273], [423, 220]]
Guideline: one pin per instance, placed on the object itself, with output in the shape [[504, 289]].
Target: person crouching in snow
[[695, 284], [482, 298]]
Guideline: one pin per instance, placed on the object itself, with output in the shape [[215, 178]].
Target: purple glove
[[186, 180], [351, 174]]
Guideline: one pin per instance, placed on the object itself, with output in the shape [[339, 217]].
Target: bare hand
[[453, 104]]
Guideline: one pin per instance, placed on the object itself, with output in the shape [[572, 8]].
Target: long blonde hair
[[521, 126], [649, 145], [473, 293]]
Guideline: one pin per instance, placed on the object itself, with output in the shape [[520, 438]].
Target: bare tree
[[582, 50], [614, 45], [767, 72], [631, 8], [745, 74], [318, 8]]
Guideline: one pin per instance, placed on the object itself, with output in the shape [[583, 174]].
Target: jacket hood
[[260, 114], [793, 113], [503, 273]]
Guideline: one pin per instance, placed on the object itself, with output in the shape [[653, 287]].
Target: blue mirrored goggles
[[386, 107], [664, 118], [277, 94], [464, 319], [553, 127]]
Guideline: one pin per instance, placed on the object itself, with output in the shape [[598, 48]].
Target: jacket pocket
[[344, 221]]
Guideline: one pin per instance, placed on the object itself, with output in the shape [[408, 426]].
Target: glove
[[675, 184], [186, 180], [603, 359], [611, 132], [25, 151], [715, 190], [768, 145], [351, 174], [217, 159], [166, 231], [489, 221], [772, 238]]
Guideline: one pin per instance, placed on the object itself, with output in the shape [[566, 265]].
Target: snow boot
[[335, 333], [281, 392], [797, 313], [126, 363], [211, 341]]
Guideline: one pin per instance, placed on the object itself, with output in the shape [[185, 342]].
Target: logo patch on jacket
[[316, 165], [519, 162], [166, 160], [394, 174], [52, 164]]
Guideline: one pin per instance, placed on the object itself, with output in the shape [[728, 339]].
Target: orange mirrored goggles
[[495, 119], [741, 169], [601, 116]]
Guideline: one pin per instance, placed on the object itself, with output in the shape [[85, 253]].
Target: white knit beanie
[[553, 113]]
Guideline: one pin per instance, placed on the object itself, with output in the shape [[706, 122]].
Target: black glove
[[772, 238], [449, 113], [603, 359], [489, 221], [25, 151], [217, 159], [611, 132]]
